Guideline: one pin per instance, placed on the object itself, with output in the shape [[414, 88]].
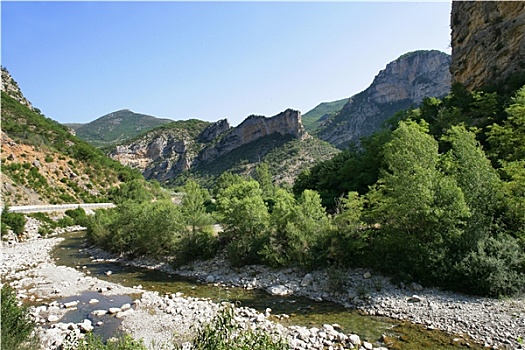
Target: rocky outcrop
[[255, 127], [11, 88], [488, 41], [165, 153], [404, 82]]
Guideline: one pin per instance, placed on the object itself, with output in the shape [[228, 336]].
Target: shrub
[[16, 325], [13, 221], [224, 333], [78, 215], [496, 267], [92, 342]]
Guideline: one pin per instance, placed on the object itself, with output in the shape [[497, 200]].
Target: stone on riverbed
[[279, 290]]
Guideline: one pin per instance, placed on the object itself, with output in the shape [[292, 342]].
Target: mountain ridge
[[402, 84]]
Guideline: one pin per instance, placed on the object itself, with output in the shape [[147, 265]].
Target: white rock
[[123, 314], [114, 310], [71, 304], [279, 290], [125, 307], [86, 326], [415, 299], [367, 345], [53, 318], [367, 275], [93, 301], [354, 339], [99, 312]]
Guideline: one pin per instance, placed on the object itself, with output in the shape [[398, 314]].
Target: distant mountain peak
[[404, 83]]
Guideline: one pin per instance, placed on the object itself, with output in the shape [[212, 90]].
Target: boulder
[[279, 290]]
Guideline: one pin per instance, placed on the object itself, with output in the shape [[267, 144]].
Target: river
[[301, 311]]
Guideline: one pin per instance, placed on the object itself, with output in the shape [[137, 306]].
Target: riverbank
[[57, 291], [493, 323]]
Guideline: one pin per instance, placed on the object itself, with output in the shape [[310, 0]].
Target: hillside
[[402, 84], [313, 118], [117, 127], [42, 162], [204, 150]]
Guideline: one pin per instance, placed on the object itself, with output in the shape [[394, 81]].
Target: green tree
[[225, 180], [420, 210], [508, 139], [350, 238], [193, 209], [244, 215], [478, 180], [264, 178], [198, 241], [514, 198], [134, 190]]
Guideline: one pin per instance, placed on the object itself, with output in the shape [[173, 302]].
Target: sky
[[77, 61]]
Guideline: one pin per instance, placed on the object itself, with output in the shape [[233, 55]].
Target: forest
[[436, 197]]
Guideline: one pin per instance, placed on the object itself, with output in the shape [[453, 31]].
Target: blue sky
[[77, 61]]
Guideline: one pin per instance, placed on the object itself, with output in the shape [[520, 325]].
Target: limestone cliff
[[166, 152], [255, 127], [11, 88], [488, 41], [402, 84]]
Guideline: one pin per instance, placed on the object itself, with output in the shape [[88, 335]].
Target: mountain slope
[[117, 127], [402, 84], [205, 150], [313, 118], [43, 163]]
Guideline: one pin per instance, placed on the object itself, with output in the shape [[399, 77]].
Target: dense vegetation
[[83, 171], [117, 127], [16, 325], [431, 199]]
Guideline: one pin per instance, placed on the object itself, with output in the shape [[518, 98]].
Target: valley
[[391, 219]]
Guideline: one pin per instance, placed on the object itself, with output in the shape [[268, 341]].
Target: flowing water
[[302, 311]]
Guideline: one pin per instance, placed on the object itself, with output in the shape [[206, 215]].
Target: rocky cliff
[[210, 148], [402, 84], [488, 41], [255, 127], [11, 88]]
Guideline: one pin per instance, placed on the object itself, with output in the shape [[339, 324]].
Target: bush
[[91, 342], [13, 221], [78, 215], [201, 245], [16, 325], [495, 268], [224, 333]]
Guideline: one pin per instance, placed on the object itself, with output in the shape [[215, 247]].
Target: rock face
[[488, 41], [402, 84], [255, 127], [11, 88], [165, 153]]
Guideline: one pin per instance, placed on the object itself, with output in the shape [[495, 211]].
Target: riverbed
[[298, 310], [163, 304]]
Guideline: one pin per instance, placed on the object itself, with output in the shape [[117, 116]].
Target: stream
[[301, 311]]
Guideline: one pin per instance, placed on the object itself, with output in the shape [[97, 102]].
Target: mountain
[[488, 42], [117, 127], [313, 118], [205, 150], [402, 84], [43, 163]]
